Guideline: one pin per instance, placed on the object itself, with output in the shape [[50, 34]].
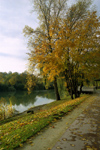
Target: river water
[[22, 101]]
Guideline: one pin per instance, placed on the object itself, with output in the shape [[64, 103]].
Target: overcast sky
[[14, 15]]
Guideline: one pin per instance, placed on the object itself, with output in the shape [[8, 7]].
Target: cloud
[[12, 46], [14, 15], [12, 64], [70, 2], [97, 5]]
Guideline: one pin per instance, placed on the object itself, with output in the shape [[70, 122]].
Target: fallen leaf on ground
[[83, 139], [72, 145], [21, 145], [64, 139], [1, 148], [90, 149], [58, 147]]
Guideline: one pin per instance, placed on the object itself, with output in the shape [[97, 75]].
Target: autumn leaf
[[1, 148], [64, 139], [72, 145], [21, 145]]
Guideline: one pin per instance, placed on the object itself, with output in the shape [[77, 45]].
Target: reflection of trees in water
[[50, 94], [25, 99], [22, 98]]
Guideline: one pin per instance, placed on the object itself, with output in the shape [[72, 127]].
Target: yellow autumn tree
[[63, 46], [78, 48], [40, 40]]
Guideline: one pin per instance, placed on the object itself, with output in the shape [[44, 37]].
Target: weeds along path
[[47, 138]]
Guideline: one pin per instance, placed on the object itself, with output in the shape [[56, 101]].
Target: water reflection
[[21, 101]]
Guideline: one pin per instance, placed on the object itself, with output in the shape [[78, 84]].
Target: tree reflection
[[23, 100]]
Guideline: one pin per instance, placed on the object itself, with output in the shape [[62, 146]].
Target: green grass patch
[[14, 133]]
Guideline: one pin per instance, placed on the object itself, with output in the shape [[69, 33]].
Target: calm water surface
[[21, 101]]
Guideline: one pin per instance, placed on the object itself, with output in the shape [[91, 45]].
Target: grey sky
[[14, 15]]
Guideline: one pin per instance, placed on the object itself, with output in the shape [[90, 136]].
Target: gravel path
[[47, 138]]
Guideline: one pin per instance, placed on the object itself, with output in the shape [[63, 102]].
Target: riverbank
[[18, 115], [48, 137], [18, 131], [35, 109]]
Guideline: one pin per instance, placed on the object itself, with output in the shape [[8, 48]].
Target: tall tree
[[77, 44], [63, 45], [48, 12]]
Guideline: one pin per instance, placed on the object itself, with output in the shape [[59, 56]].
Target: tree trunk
[[76, 89], [56, 89], [72, 95], [71, 88], [76, 93], [81, 87]]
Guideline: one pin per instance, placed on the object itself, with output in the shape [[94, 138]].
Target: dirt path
[[47, 138]]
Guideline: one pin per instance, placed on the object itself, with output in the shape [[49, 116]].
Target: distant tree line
[[20, 82]]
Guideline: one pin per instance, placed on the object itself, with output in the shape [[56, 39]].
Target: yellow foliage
[[70, 44], [6, 110]]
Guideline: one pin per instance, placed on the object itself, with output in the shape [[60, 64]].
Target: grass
[[12, 118], [14, 133]]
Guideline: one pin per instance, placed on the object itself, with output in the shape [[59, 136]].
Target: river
[[22, 101]]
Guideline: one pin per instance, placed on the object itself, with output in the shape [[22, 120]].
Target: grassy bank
[[16, 132]]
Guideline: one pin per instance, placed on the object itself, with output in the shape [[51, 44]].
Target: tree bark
[[76, 87], [56, 89], [72, 95], [81, 87], [71, 89]]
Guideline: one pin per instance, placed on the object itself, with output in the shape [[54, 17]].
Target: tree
[[13, 79], [77, 44], [48, 12], [31, 82], [63, 46]]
